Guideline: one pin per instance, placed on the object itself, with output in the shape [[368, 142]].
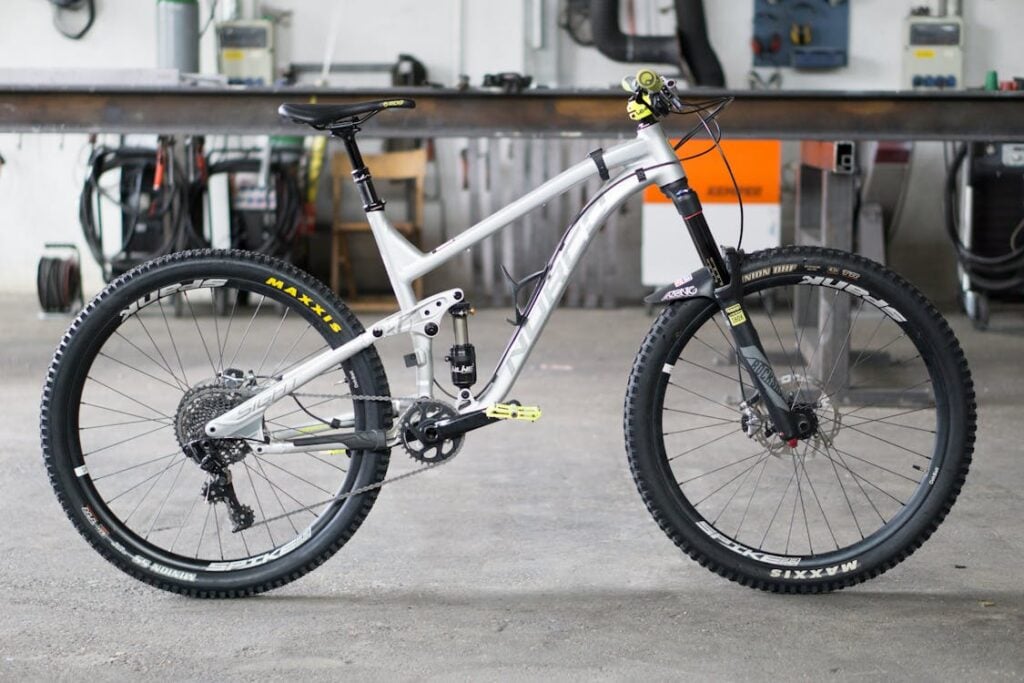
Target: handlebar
[[653, 97]]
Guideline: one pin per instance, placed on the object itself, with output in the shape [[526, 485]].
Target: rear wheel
[[131, 385], [890, 396]]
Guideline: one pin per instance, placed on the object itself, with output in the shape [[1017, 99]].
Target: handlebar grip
[[649, 80]]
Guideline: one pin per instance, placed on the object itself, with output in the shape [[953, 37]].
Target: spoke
[[302, 360], [134, 400], [873, 464], [276, 496], [844, 349], [726, 358], [858, 477], [776, 513], [118, 424], [132, 467], [290, 350], [276, 466], [706, 443], [867, 344], [326, 462], [897, 397], [817, 347], [746, 510], [885, 420], [165, 368], [202, 533], [149, 491], [807, 476], [141, 372], [694, 429], [216, 526], [147, 479], [713, 372], [771, 319], [902, 335], [744, 473], [792, 516], [167, 324], [227, 331], [803, 507], [709, 400], [302, 506], [719, 469], [690, 412], [124, 441], [181, 527], [259, 504], [247, 328], [891, 443], [163, 503], [273, 341], [202, 338], [849, 504]]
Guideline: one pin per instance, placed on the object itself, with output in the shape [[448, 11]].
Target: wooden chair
[[409, 166]]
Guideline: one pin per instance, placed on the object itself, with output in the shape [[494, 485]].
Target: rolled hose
[[980, 269]]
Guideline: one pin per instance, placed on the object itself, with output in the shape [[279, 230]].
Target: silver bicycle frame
[[648, 159]]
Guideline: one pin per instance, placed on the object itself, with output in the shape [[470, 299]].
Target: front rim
[[831, 499]]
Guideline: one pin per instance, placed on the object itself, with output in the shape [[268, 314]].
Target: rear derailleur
[[219, 488]]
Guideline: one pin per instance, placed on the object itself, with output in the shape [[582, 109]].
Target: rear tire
[[112, 364]]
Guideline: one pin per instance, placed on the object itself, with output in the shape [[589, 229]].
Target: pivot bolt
[[430, 329]]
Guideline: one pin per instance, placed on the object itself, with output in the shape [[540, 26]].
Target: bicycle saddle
[[327, 116]]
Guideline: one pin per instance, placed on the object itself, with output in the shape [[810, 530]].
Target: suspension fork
[[729, 296]]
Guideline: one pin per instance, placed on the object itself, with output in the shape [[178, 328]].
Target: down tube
[[549, 291]]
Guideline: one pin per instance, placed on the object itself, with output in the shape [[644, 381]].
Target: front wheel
[[892, 401]]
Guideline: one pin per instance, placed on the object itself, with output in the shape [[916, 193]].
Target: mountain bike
[[774, 456]]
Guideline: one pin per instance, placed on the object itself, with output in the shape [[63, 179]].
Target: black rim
[[877, 492]]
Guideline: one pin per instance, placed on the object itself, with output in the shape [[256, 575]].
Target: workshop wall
[[40, 183]]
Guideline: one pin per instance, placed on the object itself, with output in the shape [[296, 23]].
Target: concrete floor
[[530, 556]]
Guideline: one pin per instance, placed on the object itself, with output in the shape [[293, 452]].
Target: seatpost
[[360, 174]]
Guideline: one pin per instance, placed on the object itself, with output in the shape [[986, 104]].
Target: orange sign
[[756, 163]]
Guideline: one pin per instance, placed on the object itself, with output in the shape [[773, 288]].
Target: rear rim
[[856, 483], [141, 391]]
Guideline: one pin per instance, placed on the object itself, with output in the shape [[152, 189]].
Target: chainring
[[415, 428]]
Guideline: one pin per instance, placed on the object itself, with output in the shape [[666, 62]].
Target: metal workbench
[[793, 115]]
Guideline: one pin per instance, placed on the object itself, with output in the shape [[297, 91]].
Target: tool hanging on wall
[[817, 33], [61, 8]]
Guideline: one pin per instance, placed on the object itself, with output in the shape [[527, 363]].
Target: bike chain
[[368, 487]]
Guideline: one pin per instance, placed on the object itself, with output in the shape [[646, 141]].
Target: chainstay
[[363, 489]]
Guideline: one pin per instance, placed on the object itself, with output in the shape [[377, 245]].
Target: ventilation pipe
[[690, 46]]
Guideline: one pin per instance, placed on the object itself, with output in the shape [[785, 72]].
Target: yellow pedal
[[510, 411]]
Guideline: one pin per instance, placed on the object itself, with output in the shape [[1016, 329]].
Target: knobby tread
[[634, 421], [316, 287]]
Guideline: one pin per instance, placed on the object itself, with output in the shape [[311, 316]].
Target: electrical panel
[[246, 51], [801, 34], [933, 53]]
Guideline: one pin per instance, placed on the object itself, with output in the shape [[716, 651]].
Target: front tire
[[844, 506]]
